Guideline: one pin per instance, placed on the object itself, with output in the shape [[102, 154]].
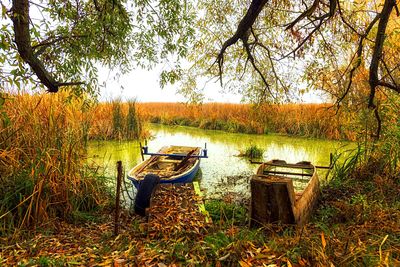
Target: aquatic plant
[[252, 151], [133, 122], [117, 119]]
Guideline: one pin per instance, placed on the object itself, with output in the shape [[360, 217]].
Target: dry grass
[[311, 120]]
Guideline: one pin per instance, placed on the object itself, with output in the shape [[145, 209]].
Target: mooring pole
[[141, 150], [117, 197]]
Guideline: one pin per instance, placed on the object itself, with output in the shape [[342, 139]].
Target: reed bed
[[310, 120], [43, 171], [116, 120]]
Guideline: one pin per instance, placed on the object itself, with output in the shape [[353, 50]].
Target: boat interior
[[166, 166], [300, 173]]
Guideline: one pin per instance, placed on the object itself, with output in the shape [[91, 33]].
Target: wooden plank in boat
[[266, 176], [289, 165], [184, 160], [266, 172]]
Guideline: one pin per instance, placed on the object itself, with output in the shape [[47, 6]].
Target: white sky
[[145, 87]]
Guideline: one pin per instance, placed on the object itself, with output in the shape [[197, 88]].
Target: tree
[[63, 41], [275, 46]]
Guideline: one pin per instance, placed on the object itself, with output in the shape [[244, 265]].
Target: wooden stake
[[117, 197]]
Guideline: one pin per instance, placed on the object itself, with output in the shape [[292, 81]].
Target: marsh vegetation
[[55, 203]]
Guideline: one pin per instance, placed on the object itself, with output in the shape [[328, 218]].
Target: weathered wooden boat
[[273, 197], [172, 164]]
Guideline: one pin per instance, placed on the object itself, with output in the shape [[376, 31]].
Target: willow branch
[[306, 13], [358, 57]]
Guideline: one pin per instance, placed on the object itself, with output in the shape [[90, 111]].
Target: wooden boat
[[273, 197], [173, 164]]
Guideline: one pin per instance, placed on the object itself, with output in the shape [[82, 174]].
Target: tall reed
[[116, 120], [43, 174], [133, 122]]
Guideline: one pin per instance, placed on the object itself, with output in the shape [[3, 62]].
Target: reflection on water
[[223, 172]]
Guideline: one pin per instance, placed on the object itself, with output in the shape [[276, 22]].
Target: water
[[223, 172]]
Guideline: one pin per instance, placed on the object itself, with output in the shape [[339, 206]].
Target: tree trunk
[[20, 18]]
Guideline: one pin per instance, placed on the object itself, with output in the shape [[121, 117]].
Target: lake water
[[223, 172]]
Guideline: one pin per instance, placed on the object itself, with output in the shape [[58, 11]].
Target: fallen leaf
[[244, 264], [323, 241]]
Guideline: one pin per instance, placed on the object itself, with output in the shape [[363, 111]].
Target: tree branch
[[321, 19], [389, 73], [306, 13], [242, 31], [378, 50], [257, 42], [20, 18], [253, 63], [358, 57], [50, 41], [388, 85]]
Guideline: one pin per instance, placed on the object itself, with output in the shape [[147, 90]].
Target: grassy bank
[[43, 140], [310, 120]]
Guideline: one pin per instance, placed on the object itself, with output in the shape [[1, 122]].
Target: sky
[[144, 86]]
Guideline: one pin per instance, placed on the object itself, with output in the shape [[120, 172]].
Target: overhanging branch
[[358, 58], [242, 31]]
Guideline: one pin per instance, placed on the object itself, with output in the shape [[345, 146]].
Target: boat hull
[[273, 198], [186, 178], [136, 175]]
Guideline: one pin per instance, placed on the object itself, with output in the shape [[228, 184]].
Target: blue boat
[[173, 164]]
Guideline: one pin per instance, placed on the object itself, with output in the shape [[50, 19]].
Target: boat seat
[[169, 160]]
